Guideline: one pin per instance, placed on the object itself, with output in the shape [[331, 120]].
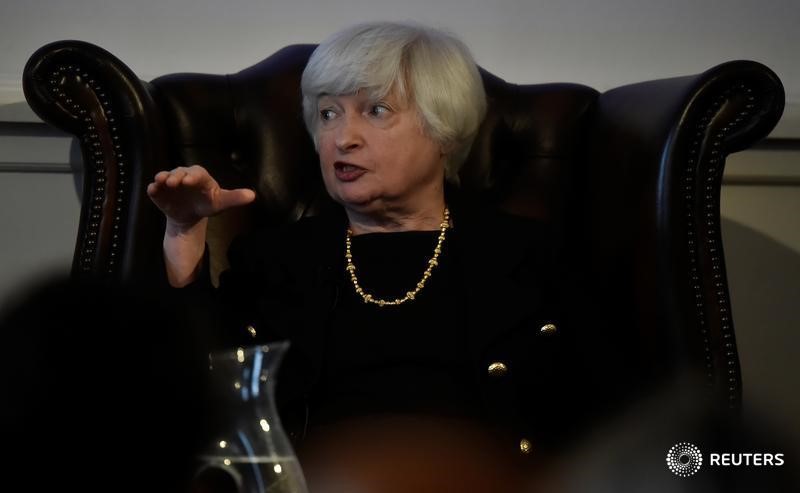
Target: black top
[[495, 286], [397, 358]]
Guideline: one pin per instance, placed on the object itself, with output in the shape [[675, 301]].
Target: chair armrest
[[656, 162], [86, 91]]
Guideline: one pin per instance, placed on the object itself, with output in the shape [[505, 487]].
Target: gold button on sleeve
[[548, 329], [525, 446], [251, 330], [497, 369]]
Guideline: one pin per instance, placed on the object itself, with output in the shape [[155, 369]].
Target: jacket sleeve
[[254, 293], [251, 294]]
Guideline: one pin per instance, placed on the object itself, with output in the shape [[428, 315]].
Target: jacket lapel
[[499, 257], [322, 260]]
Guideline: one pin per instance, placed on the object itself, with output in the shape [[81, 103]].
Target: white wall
[[39, 215], [602, 44], [761, 238]]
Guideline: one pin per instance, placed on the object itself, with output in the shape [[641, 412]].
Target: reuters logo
[[684, 459]]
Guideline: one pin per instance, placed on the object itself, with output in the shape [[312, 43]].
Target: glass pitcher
[[249, 452]]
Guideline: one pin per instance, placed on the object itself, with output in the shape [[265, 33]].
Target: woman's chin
[[358, 200]]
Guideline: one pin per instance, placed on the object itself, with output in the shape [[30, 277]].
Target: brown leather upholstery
[[630, 179]]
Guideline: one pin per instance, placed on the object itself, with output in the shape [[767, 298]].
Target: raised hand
[[187, 197], [188, 194]]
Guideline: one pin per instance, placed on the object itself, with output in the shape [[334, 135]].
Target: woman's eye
[[327, 114], [378, 110]]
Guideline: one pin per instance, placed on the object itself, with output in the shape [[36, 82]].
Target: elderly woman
[[407, 302]]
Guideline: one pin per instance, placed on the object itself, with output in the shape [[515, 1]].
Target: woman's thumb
[[235, 198]]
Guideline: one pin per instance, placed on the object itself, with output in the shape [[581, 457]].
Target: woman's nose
[[349, 136]]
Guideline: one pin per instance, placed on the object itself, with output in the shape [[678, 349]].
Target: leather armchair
[[629, 179]]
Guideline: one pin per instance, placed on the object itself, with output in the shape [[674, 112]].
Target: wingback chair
[[629, 179]]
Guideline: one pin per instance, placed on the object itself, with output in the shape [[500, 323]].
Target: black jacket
[[284, 283]]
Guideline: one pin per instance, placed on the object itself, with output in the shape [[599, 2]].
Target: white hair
[[431, 69]]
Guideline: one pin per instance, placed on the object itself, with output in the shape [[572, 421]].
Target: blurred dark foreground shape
[[102, 390]]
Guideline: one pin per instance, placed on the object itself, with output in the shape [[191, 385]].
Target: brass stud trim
[[705, 165], [73, 98]]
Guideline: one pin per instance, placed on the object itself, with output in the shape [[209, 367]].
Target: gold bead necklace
[[410, 295]]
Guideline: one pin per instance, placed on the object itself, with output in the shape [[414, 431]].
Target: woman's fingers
[[161, 176], [175, 177], [191, 192], [179, 176]]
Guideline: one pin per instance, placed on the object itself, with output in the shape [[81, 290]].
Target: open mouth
[[347, 171]]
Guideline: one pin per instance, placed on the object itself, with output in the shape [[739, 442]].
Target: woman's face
[[374, 154]]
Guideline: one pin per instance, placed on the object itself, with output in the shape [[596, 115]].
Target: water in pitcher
[[249, 475]]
